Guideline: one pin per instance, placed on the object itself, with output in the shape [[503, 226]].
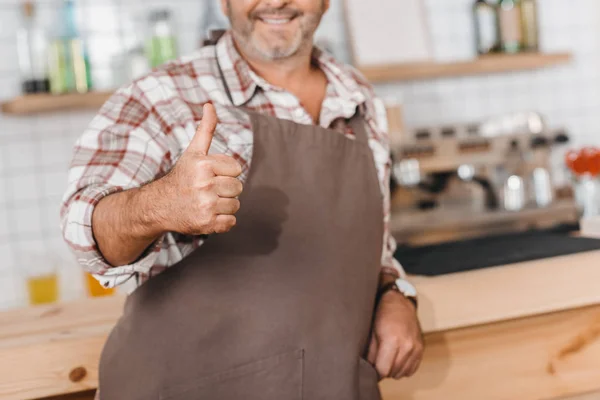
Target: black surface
[[490, 251]]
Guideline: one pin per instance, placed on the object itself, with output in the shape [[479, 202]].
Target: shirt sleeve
[[388, 263], [122, 148]]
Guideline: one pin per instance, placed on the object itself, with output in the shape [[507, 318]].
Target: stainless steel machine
[[469, 180]]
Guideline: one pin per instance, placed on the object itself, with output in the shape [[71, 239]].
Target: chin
[[274, 48]]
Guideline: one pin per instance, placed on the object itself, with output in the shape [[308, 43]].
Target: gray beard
[[278, 53], [242, 34]]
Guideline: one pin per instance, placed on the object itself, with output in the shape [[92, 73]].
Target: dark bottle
[[32, 46], [487, 32]]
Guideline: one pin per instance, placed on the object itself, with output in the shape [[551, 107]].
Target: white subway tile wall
[[35, 151]]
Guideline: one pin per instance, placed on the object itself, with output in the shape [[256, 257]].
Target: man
[[245, 188]]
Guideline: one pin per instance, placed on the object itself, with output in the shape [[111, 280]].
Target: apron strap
[[358, 125], [215, 35]]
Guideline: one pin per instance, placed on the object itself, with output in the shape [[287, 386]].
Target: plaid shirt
[[141, 131]]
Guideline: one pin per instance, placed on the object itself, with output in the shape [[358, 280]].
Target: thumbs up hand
[[202, 188]]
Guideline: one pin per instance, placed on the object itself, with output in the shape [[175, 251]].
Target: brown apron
[[279, 308]]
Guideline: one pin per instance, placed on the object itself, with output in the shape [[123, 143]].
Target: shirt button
[[299, 114]]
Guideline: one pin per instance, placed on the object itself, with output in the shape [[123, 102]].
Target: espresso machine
[[462, 181]]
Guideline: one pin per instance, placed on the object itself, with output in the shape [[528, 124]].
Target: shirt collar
[[339, 76], [243, 82], [236, 72]]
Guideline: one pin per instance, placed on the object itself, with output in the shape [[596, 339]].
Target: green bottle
[[162, 45], [531, 41], [511, 33], [58, 67], [68, 59]]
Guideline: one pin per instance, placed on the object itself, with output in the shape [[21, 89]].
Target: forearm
[[125, 224]]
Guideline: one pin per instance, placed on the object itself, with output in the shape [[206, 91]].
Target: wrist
[[396, 296], [386, 278], [391, 285], [150, 203]]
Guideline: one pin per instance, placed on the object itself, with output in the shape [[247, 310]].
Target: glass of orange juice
[[94, 288], [42, 280]]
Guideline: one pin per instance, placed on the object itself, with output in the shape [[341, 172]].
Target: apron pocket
[[274, 378], [368, 381]]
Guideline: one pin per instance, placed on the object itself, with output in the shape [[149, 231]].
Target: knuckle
[[206, 217], [408, 345], [394, 341], [238, 168], [211, 204], [208, 185], [220, 158], [420, 347], [233, 220], [211, 222], [204, 164]]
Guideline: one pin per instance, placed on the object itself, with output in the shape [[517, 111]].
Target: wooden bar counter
[[528, 331]]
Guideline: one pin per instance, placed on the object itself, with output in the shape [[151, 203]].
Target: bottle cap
[[159, 15]]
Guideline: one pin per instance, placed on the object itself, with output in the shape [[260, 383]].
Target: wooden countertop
[[508, 292], [42, 347]]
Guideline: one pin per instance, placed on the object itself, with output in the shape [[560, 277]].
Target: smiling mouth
[[277, 20]]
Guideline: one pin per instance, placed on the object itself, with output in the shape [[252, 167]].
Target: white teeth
[[276, 21]]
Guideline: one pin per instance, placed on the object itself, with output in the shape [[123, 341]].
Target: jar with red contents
[[584, 165]]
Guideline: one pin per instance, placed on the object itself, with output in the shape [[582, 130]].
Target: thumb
[[206, 130]]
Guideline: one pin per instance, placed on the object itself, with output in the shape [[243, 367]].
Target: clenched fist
[[203, 188]]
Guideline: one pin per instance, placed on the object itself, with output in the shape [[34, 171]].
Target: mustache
[[276, 12]]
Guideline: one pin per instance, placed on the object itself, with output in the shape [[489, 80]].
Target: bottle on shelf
[[511, 31], [32, 47], [80, 65], [69, 63], [137, 63], [529, 17], [163, 45], [487, 31], [57, 66]]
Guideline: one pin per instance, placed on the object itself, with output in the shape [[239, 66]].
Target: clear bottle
[[137, 63], [487, 32], [511, 32], [79, 61], [529, 16], [32, 46], [162, 46]]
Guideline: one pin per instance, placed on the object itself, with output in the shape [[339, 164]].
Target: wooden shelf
[[42, 103], [483, 65]]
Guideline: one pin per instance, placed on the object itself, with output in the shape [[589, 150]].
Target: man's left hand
[[396, 347]]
